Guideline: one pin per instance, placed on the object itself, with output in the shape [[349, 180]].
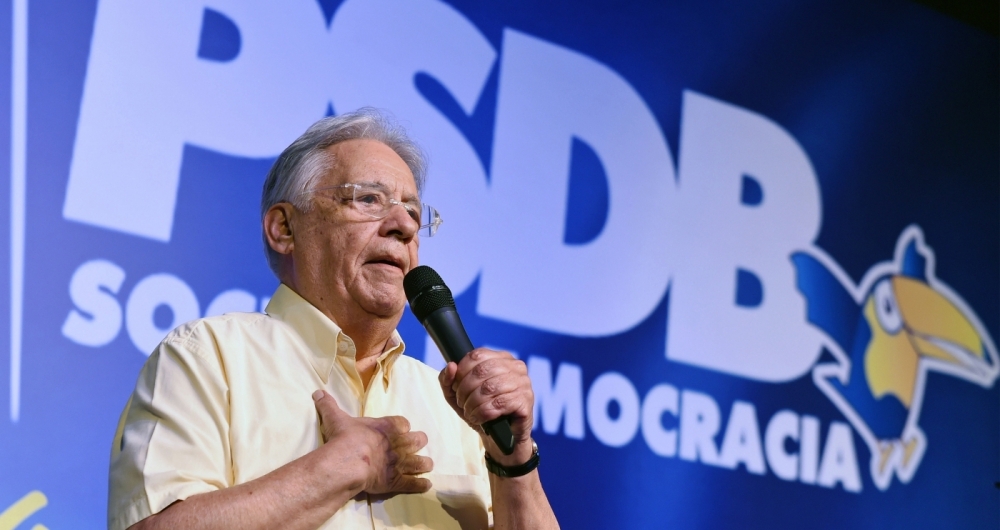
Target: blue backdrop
[[749, 251]]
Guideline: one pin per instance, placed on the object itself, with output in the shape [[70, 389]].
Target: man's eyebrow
[[412, 197], [372, 184]]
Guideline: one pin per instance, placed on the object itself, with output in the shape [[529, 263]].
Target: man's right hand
[[386, 447]]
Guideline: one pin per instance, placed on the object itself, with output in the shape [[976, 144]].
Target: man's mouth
[[388, 261]]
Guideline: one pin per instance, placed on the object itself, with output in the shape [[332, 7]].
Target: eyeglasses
[[374, 201]]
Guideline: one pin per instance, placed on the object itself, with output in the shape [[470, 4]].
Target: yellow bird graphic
[[886, 334]]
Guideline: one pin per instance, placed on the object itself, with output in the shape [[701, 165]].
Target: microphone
[[432, 303]]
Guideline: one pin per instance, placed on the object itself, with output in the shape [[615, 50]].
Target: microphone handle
[[445, 327]]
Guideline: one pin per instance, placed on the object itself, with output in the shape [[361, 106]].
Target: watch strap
[[513, 471]]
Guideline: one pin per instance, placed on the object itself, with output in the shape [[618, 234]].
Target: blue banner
[[748, 251]]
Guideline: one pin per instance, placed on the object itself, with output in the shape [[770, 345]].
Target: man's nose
[[399, 220]]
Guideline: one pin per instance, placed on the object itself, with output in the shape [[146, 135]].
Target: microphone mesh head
[[426, 292]]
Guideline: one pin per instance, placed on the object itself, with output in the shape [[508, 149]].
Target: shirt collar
[[328, 345]]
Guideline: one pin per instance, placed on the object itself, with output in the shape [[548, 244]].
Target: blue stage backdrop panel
[[748, 250]]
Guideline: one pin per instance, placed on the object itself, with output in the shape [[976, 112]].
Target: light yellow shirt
[[225, 400]]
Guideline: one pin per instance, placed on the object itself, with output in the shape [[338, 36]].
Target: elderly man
[[308, 416]]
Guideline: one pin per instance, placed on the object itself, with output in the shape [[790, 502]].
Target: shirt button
[[342, 346]]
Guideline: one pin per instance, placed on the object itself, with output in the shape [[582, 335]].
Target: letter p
[[151, 88]]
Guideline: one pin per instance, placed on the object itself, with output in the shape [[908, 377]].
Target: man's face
[[347, 264]]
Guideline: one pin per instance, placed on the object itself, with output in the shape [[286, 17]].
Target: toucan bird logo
[[886, 333]]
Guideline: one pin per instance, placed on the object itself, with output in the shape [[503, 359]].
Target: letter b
[[749, 200]]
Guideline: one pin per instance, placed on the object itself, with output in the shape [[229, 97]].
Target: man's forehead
[[366, 161]]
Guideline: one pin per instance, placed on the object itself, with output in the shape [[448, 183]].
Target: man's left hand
[[486, 385]]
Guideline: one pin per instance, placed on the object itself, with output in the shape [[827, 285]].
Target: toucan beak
[[937, 328]]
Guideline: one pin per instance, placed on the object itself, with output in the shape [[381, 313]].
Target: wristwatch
[[514, 471]]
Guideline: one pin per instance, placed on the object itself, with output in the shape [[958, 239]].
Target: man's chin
[[385, 305], [387, 313], [379, 291]]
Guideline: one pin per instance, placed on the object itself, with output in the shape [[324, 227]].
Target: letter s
[[97, 317], [380, 47]]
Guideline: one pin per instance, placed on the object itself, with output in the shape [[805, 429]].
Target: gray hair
[[306, 159]]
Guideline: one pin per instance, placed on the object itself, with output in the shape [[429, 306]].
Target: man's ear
[[278, 228]]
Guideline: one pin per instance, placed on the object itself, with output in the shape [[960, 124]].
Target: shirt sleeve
[[173, 437]]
